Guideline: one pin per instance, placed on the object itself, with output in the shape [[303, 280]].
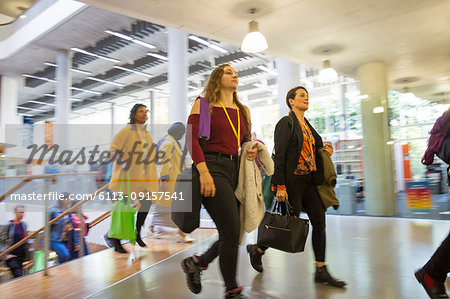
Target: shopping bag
[[39, 261], [287, 233], [122, 218]]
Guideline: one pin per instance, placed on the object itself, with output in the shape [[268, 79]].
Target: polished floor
[[376, 256], [85, 276]]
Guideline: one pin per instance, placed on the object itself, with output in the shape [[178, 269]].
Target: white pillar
[[178, 71], [8, 104], [63, 93], [288, 77], [378, 163]]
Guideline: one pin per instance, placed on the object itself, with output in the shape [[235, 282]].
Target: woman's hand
[[207, 187], [281, 195], [329, 148], [251, 153]]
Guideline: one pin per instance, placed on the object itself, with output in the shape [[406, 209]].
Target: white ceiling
[[411, 36]]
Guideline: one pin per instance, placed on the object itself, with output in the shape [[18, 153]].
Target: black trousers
[[15, 265], [142, 213], [439, 264], [224, 211], [303, 195]]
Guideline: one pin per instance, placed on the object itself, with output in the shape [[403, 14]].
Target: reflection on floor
[[90, 274], [377, 256]]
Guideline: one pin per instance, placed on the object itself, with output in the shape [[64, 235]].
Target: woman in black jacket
[[298, 169]]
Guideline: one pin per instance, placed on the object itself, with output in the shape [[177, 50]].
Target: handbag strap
[[289, 209], [128, 185]]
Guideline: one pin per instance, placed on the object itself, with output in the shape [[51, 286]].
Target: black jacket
[[288, 146]]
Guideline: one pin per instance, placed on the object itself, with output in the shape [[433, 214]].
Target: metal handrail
[[99, 219], [29, 178], [74, 207]]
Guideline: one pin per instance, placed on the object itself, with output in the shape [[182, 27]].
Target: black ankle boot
[[255, 257], [139, 240], [322, 276], [117, 246]]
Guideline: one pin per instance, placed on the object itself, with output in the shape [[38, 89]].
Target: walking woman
[[133, 152], [298, 169], [218, 165]]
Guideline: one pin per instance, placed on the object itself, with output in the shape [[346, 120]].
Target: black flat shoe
[[322, 276], [255, 257]]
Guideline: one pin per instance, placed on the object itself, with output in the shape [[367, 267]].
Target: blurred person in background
[[80, 224], [11, 233], [62, 233], [170, 159]]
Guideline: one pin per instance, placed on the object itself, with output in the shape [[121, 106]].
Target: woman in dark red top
[[218, 165]]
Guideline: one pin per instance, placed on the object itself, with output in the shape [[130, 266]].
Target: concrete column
[[178, 71], [8, 110], [288, 77], [378, 164], [343, 118], [63, 94]]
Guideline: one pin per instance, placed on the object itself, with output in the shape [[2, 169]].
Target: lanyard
[[238, 134]]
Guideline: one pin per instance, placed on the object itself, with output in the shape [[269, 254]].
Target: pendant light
[[254, 41], [327, 74]]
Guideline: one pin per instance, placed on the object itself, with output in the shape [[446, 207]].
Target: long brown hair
[[212, 94]]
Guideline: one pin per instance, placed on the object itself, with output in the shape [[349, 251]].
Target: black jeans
[[15, 264], [303, 195], [439, 264], [142, 213], [224, 210]]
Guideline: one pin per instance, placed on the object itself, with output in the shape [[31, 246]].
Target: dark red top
[[222, 139]]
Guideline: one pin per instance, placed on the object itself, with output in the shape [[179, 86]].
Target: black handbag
[[287, 233], [186, 212]]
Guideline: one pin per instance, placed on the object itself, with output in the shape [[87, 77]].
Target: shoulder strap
[[204, 129], [292, 123]]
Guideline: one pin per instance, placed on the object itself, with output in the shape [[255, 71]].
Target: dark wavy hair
[[291, 94], [133, 112]]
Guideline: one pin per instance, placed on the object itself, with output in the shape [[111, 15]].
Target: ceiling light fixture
[[72, 69], [133, 71], [42, 103], [32, 109], [95, 55], [158, 56], [131, 39], [266, 69], [378, 109], [207, 43], [254, 41], [39, 78], [327, 74], [106, 82], [407, 95], [85, 90]]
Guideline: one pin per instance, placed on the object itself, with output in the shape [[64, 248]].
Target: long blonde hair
[[212, 94]]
